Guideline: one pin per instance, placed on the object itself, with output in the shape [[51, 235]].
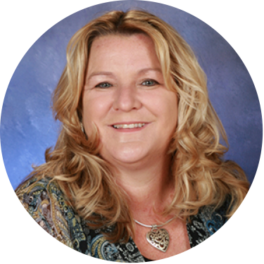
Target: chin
[[125, 155]]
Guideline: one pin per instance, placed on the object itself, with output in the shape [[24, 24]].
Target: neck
[[148, 187]]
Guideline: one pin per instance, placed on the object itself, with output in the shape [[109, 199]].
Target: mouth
[[129, 126]]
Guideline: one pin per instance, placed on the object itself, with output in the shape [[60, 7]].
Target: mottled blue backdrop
[[27, 125]]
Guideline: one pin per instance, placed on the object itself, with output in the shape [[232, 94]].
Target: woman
[[137, 172]]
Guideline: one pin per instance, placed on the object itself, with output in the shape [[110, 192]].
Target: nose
[[126, 99]]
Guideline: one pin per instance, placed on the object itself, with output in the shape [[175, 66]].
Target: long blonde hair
[[200, 175]]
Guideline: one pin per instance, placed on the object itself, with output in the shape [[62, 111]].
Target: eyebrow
[[149, 69], [111, 74], [98, 73]]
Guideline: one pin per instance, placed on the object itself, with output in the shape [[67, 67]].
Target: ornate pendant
[[158, 238]]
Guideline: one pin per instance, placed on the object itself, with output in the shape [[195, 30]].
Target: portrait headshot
[[131, 131]]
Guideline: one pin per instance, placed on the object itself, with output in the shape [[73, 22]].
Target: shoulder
[[33, 194], [214, 219], [46, 203], [38, 192], [206, 223]]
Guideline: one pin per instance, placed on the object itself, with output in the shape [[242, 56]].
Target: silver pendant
[[158, 238]]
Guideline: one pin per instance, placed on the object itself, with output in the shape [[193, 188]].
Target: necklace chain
[[156, 226]]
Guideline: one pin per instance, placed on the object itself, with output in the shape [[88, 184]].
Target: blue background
[[27, 125]]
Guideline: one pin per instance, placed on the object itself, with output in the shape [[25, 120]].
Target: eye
[[149, 83], [104, 85]]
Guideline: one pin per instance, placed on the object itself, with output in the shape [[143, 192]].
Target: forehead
[[137, 39], [123, 50]]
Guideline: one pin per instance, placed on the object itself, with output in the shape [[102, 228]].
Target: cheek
[[87, 120], [169, 117], [94, 111], [172, 113], [166, 108]]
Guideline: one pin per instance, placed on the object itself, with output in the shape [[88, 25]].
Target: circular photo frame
[[28, 127]]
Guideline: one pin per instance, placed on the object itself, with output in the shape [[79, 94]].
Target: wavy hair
[[201, 177]]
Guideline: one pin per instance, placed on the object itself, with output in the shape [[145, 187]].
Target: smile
[[136, 125]]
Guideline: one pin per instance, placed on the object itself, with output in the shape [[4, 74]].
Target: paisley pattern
[[46, 203]]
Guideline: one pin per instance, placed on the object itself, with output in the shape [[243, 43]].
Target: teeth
[[129, 125]]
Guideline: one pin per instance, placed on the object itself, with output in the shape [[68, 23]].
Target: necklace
[[158, 238]]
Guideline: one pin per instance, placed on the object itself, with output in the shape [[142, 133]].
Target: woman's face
[[125, 97]]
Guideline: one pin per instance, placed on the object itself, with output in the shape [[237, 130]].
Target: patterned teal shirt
[[48, 206]]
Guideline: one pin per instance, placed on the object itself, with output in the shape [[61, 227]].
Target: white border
[[240, 23]]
